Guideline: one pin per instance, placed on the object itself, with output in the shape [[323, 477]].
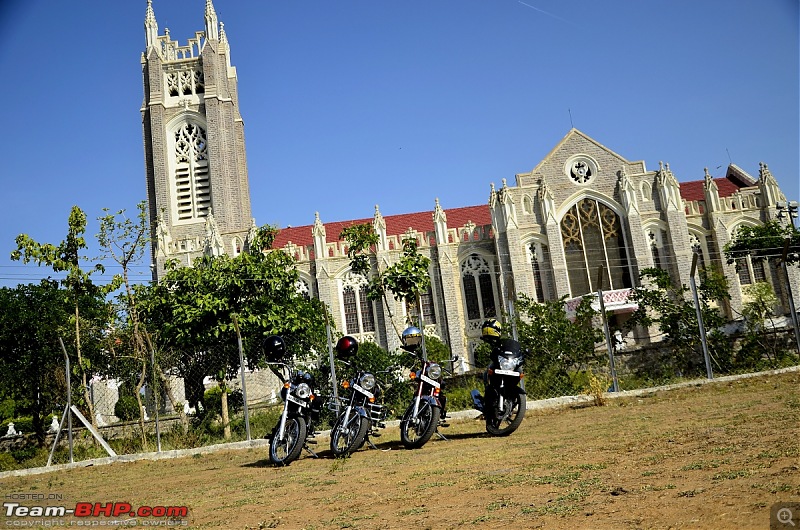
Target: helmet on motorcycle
[[412, 338], [347, 347], [274, 348], [491, 330]]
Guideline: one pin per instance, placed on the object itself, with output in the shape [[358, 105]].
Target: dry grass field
[[706, 456]]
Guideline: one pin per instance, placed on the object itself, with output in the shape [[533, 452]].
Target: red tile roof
[[395, 225], [694, 191]]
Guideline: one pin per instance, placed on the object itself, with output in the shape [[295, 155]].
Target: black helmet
[[347, 347], [411, 339], [274, 348]]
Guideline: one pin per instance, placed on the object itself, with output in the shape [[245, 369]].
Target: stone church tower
[[197, 185]]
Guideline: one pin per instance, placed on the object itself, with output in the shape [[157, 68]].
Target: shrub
[[126, 408], [212, 401]]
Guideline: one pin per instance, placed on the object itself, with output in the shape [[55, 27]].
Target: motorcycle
[[363, 415], [428, 407], [301, 407], [503, 407]]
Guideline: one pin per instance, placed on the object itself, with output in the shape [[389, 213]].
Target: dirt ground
[[712, 456]]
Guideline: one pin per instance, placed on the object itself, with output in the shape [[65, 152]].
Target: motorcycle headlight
[[367, 381], [302, 391], [434, 371], [508, 363]]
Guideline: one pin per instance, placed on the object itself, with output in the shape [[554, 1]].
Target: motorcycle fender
[[361, 412], [432, 400]]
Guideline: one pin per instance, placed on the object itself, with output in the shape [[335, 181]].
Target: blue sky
[[352, 103]]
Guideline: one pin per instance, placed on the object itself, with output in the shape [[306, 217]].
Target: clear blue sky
[[352, 103]]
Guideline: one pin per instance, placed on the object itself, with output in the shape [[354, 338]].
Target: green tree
[[32, 317], [405, 279], [559, 348], [193, 309], [761, 347], [66, 258], [764, 242], [124, 241], [671, 310]]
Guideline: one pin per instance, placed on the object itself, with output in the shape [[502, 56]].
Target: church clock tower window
[[192, 187]]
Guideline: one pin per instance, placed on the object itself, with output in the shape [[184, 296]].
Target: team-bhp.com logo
[[87, 514]]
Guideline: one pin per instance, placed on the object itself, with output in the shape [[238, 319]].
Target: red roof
[[395, 225], [694, 190]]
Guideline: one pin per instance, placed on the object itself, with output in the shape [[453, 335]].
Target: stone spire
[[223, 39], [212, 26], [150, 25], [627, 191], [440, 224], [770, 191], [379, 225], [668, 188], [318, 233], [711, 191]]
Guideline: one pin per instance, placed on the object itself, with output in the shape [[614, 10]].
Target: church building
[[584, 219]]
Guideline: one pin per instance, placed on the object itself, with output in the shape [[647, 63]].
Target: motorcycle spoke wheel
[[347, 438], [415, 432], [509, 419], [284, 452]]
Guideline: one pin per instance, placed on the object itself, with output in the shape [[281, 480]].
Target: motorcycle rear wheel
[[415, 432], [284, 452], [509, 419], [347, 438]]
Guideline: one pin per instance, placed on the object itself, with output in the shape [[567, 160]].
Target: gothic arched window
[[192, 184], [303, 288], [697, 248], [657, 239], [428, 311], [593, 237], [478, 284], [536, 254], [356, 306]]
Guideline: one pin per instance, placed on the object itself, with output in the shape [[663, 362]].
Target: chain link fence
[[168, 400]]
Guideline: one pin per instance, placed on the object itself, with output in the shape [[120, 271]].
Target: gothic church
[[583, 219]]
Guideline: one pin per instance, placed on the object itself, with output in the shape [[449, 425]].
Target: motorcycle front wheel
[[284, 452], [415, 432], [507, 420], [347, 438]]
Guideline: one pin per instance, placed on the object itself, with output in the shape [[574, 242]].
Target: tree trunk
[[226, 423], [139, 386]]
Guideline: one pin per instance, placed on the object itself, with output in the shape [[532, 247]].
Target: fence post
[[606, 330], [69, 402], [156, 394], [609, 345], [241, 374], [700, 324], [792, 309], [334, 382]]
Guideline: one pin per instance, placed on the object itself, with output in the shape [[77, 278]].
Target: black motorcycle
[[362, 413], [429, 403], [503, 407], [301, 407]]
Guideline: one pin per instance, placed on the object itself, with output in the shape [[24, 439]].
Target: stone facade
[[196, 168], [583, 219]]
